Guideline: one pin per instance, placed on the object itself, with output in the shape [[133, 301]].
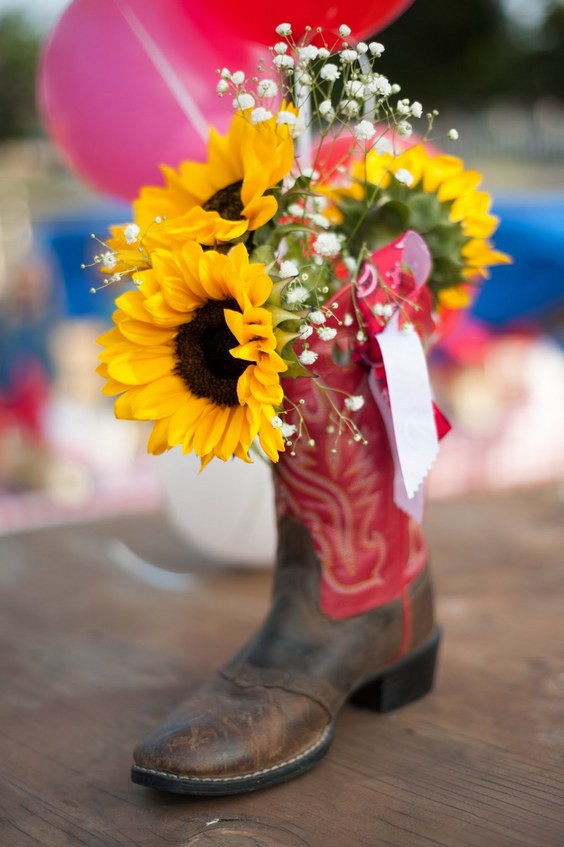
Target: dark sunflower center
[[204, 362], [227, 202]]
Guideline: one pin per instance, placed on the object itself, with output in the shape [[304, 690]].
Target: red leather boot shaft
[[342, 488]]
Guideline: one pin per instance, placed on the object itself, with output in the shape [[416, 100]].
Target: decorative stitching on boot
[[291, 761]]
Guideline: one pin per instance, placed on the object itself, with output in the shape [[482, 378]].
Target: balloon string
[[169, 76], [304, 141], [370, 102]]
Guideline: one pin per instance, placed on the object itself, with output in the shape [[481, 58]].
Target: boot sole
[[208, 786], [398, 685]]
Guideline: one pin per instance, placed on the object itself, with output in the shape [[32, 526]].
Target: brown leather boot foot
[[268, 716]]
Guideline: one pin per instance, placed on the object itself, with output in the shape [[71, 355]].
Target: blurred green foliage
[[472, 54], [19, 48]]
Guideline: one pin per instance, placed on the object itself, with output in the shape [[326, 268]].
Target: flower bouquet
[[283, 296]]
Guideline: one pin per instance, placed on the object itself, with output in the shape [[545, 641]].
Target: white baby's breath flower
[[416, 109], [267, 88], [323, 53], [350, 263], [383, 146], [326, 110], [361, 47], [344, 31], [404, 176], [308, 54], [354, 88], [376, 48], [317, 317], [225, 73], [379, 84], [361, 336], [348, 56], [277, 422], [330, 72], [280, 47], [285, 118], [295, 210], [402, 107], [364, 130], [244, 101], [297, 294], [308, 357], [354, 402], [350, 108], [396, 88], [310, 173], [404, 129], [320, 221], [303, 77], [287, 430], [348, 320], [327, 333], [288, 269], [222, 86], [238, 78], [327, 244], [283, 62], [109, 259], [453, 135], [284, 29], [305, 331], [260, 114], [383, 310], [131, 233]]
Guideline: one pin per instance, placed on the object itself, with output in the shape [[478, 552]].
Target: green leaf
[[425, 212]]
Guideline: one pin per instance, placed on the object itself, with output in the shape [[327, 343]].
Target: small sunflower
[[193, 349], [212, 202], [433, 195]]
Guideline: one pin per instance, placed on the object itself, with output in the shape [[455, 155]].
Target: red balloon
[[257, 20], [125, 85]]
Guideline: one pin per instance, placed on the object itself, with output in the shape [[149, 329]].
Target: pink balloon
[[126, 85]]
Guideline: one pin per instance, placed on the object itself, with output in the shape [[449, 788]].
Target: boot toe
[[228, 735]]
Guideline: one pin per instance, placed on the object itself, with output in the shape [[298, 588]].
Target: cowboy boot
[[352, 610]]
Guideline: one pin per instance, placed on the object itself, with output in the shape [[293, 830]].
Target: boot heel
[[406, 681]]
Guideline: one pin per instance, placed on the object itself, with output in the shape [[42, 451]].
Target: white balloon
[[227, 511]]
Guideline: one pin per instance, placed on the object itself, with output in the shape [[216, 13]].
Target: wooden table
[[97, 647]]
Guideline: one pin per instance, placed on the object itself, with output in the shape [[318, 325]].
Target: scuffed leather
[[279, 695]]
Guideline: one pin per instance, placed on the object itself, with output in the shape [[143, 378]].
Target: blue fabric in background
[[532, 232], [68, 244]]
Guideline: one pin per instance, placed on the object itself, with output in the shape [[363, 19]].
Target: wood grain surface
[[97, 646]]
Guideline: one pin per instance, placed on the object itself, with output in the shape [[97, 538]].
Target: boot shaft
[[337, 478]]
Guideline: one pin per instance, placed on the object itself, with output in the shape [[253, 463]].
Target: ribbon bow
[[396, 306]]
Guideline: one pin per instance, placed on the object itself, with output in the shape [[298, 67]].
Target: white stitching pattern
[[291, 761]]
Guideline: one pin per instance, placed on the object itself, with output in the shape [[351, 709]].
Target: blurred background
[[494, 69]]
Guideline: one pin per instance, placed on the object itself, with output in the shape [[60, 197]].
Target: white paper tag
[[410, 406]]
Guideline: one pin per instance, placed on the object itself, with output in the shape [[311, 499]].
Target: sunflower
[[193, 349], [212, 202], [432, 194]]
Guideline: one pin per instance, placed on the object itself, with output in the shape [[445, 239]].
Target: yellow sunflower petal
[[158, 399], [158, 440]]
